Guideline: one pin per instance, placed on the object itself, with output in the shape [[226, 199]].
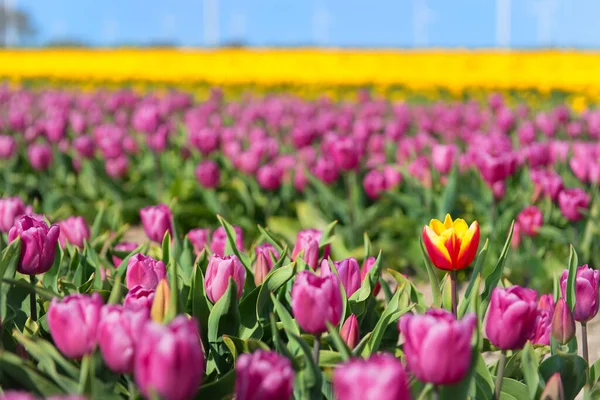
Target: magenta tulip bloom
[[374, 183], [563, 323], [443, 157], [219, 271], [438, 332], [17, 395], [511, 318], [144, 271], [530, 220], [308, 240], [139, 298], [118, 333], [263, 375], [586, 292], [38, 244], [73, 323], [316, 300], [350, 331], [157, 220], [40, 156], [219, 240], [126, 247], [381, 377], [169, 360], [208, 174], [10, 209], [345, 153], [8, 147], [117, 167], [545, 312], [571, 201], [199, 237], [85, 147], [348, 271], [269, 251], [74, 230]]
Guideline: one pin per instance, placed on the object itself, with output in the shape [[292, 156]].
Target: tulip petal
[[468, 246], [436, 249]]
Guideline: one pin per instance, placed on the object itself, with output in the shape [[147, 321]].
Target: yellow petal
[[460, 227], [448, 221], [437, 226]]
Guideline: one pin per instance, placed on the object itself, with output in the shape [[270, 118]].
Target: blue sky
[[347, 23]]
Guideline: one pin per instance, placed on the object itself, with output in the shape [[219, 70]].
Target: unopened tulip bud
[[219, 271], [316, 300], [162, 299], [587, 281], [261, 269], [554, 388], [157, 220], [563, 324], [350, 331], [145, 271], [264, 375], [38, 244]]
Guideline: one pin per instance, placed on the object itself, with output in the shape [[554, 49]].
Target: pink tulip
[[586, 292], [38, 244], [263, 375], [157, 220], [316, 300], [139, 298], [219, 240], [144, 271], [74, 230], [219, 271]]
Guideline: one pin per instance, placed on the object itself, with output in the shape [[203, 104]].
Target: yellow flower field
[[454, 70]]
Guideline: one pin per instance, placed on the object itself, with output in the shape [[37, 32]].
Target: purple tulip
[[381, 377], [206, 140], [17, 395], [350, 331], [146, 118], [118, 333], [316, 300], [219, 240], [144, 271], [208, 174], [74, 230], [326, 170], [10, 209], [443, 157], [127, 247], [545, 311], [269, 177], [308, 240], [117, 167], [219, 271], [530, 220], [511, 318], [586, 292], [169, 360], [139, 298], [345, 153], [85, 147], [157, 220], [73, 323], [8, 147], [38, 244], [374, 183], [438, 332], [199, 237], [348, 272], [571, 201], [40, 156], [563, 324], [263, 375]]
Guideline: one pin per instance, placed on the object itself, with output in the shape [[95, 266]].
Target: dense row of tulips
[[290, 164], [85, 315]]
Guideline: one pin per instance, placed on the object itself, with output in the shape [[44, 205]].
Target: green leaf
[[385, 320], [367, 246], [357, 351], [224, 318], [273, 281], [288, 322], [50, 278], [166, 248], [28, 377], [313, 378], [238, 345], [530, 364], [571, 279], [219, 390], [327, 235], [174, 303], [514, 388], [200, 304], [280, 346], [461, 389], [338, 342], [271, 239], [433, 279], [494, 277], [115, 292], [447, 292], [483, 384], [8, 268], [572, 369], [449, 195], [231, 243], [97, 224], [479, 263], [595, 371]]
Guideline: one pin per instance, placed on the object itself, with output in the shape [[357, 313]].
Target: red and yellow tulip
[[451, 245]]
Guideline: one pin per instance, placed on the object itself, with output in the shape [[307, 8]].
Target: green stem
[[85, 380], [500, 375], [316, 348], [454, 295], [584, 342], [435, 394], [32, 299]]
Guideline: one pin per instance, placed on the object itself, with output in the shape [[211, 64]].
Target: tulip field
[[159, 244]]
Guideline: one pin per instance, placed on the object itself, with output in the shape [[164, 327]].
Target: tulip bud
[[124, 247], [571, 201], [554, 388], [350, 331], [38, 244], [263, 375], [8, 147], [451, 245], [118, 333], [443, 156], [145, 271], [199, 238], [208, 174], [545, 311], [139, 298], [269, 177], [117, 167], [162, 299], [308, 240], [73, 323], [169, 360], [563, 324], [219, 271], [40, 156], [511, 319], [219, 240], [382, 377], [84, 145], [316, 300], [374, 183], [438, 332], [530, 220], [74, 230], [261, 269], [269, 251], [157, 220], [10, 209], [586, 292], [348, 272]]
